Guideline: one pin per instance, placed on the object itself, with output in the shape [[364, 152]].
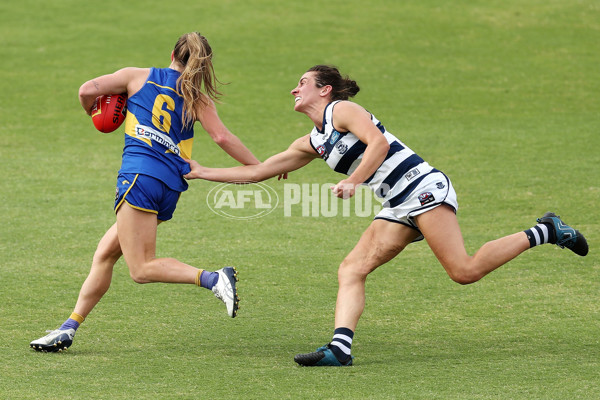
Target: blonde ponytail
[[197, 83]]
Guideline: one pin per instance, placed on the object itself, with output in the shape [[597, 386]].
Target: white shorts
[[434, 190]]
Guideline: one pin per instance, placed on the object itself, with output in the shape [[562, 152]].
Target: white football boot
[[226, 291], [57, 340]]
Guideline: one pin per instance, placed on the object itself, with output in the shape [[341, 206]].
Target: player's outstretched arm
[[296, 156], [219, 133]]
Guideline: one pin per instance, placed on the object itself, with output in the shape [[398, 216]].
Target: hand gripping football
[[109, 112]]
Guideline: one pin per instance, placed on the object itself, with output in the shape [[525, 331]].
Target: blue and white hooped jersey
[[156, 142], [394, 180]]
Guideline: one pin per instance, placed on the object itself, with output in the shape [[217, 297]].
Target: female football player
[[418, 201], [162, 106]]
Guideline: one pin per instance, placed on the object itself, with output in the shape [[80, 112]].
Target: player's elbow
[[222, 139], [384, 146], [87, 95], [257, 174], [87, 90]]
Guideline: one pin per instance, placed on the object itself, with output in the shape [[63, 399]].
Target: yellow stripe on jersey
[[165, 87], [130, 124], [186, 148]]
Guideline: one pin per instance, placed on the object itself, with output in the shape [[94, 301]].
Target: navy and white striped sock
[[539, 234], [341, 343]]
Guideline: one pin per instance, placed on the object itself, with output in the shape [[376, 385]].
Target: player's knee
[[138, 274], [463, 276], [106, 254], [352, 268]]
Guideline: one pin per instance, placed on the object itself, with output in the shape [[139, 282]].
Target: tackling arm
[[296, 156]]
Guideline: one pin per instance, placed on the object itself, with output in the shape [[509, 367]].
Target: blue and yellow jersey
[[156, 142]]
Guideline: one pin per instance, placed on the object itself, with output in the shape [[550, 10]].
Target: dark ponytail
[[342, 86]]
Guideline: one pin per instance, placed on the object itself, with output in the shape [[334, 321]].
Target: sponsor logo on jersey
[[145, 132], [411, 174], [426, 197], [334, 137], [321, 150], [440, 185]]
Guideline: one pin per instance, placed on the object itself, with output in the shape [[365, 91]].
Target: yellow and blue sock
[[73, 322], [206, 279]]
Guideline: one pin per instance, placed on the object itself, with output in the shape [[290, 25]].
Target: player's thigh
[[137, 234], [381, 241], [442, 233]]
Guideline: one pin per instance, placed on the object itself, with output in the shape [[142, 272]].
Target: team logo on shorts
[[426, 197]]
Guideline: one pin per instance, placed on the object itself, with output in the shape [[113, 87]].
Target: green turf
[[503, 96]]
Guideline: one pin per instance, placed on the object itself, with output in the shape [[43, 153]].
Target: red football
[[109, 112]]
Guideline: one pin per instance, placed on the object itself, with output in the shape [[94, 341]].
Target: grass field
[[503, 96]]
